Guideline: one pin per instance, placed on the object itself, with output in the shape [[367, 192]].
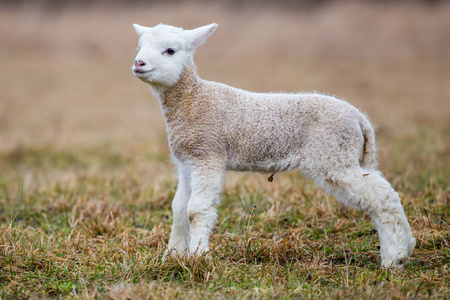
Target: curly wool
[[264, 132]]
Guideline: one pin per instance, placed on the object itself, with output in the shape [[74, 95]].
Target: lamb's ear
[[140, 30], [198, 36]]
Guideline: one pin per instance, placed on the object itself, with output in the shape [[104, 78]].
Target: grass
[[86, 183], [93, 223]]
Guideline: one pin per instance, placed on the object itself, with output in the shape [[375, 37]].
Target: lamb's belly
[[268, 166], [268, 156]]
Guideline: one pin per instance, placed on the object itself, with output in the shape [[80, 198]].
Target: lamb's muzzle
[[213, 128]]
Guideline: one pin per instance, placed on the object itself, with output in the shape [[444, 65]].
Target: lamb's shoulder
[[196, 126]]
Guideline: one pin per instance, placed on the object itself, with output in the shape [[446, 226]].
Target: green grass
[[102, 231]]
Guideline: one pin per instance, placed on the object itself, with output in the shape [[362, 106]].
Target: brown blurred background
[[66, 80]]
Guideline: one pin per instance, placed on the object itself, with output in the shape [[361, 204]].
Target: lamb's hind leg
[[369, 191]]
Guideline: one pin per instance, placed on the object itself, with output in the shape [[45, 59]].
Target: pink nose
[[139, 63]]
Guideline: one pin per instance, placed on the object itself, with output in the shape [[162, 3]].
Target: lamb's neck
[[179, 96]]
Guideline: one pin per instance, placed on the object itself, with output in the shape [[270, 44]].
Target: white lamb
[[212, 128]]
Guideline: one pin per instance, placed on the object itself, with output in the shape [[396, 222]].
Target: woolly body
[[262, 132], [213, 128]]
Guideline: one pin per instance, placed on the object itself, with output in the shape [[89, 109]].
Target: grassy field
[[85, 178]]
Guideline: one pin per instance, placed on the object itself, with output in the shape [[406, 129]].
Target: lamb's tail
[[368, 153]]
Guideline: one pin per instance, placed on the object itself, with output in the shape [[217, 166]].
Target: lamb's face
[[162, 55], [164, 52]]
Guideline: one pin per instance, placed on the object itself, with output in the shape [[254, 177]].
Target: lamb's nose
[[139, 63]]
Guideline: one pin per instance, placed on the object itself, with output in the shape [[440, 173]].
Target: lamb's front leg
[[179, 237], [206, 182]]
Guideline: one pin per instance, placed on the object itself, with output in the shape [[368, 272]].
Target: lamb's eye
[[138, 48], [170, 51]]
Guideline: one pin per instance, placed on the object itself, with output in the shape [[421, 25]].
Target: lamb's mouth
[[142, 72]]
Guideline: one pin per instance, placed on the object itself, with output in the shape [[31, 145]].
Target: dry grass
[[85, 182]]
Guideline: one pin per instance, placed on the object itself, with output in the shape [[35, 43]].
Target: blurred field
[[85, 178]]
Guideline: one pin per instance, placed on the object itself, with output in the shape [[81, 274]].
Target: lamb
[[213, 128]]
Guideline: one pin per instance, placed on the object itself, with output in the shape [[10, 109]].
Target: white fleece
[[212, 128]]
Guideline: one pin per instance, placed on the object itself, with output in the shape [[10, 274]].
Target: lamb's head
[[165, 51]]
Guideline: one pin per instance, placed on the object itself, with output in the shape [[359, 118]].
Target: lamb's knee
[[204, 217], [201, 220], [193, 217]]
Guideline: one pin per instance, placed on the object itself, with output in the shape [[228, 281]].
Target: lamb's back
[[268, 132]]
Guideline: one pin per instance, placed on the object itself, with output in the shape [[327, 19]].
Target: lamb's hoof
[[174, 253], [399, 262], [396, 264], [198, 250]]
